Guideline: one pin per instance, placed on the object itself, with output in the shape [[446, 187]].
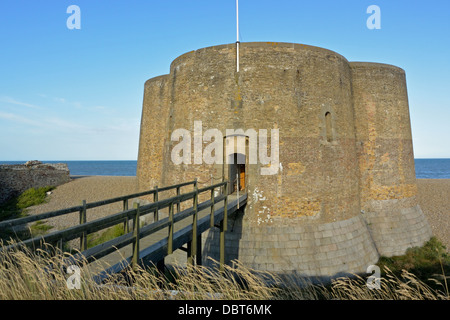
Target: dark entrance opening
[[236, 172]]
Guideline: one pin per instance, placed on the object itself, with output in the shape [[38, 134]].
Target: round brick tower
[[388, 187], [303, 214]]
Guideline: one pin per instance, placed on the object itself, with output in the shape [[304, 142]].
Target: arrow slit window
[[329, 127]]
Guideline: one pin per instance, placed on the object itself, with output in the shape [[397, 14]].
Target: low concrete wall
[[14, 179]]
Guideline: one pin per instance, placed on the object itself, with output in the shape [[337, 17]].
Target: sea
[[425, 168], [94, 168]]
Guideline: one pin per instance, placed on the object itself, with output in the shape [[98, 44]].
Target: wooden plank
[[163, 223], [157, 251], [75, 231], [83, 237], [145, 209], [215, 186], [101, 250], [178, 203], [185, 235], [212, 209], [56, 213], [136, 234], [223, 229], [126, 223], [194, 223], [171, 225], [106, 222], [155, 199], [43, 216], [136, 195]]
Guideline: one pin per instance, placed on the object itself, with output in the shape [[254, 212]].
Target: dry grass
[[405, 287], [43, 276]]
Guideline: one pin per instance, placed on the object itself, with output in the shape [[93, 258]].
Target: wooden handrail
[[159, 250], [106, 222], [173, 241], [57, 213]]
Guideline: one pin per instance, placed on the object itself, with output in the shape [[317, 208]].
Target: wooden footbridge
[[149, 244]]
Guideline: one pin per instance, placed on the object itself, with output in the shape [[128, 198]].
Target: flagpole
[[237, 35]]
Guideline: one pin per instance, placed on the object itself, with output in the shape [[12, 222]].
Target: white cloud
[[52, 124], [20, 119], [61, 100], [98, 130], [48, 124], [19, 103], [61, 123]]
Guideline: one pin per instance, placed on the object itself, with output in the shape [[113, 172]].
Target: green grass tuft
[[111, 233], [32, 197], [39, 228], [17, 208], [425, 262]]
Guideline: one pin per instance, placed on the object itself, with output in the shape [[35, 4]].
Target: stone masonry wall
[[297, 248], [345, 190], [154, 133], [388, 189], [282, 86], [14, 179]]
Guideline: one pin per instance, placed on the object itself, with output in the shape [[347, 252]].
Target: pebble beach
[[91, 189], [434, 199]]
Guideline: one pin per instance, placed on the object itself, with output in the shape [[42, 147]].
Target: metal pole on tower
[[237, 35]]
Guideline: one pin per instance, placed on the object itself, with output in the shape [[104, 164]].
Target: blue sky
[[77, 94]]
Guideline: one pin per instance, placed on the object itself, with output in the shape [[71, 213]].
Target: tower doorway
[[235, 166], [236, 172]]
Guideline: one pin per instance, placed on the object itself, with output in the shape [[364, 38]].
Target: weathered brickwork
[[14, 179], [345, 147], [153, 133]]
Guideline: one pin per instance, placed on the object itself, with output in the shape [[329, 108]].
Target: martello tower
[[344, 189]]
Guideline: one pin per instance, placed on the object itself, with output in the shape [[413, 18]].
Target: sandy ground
[[91, 189], [434, 199]]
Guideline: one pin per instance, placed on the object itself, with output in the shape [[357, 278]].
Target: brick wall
[[14, 179], [345, 146]]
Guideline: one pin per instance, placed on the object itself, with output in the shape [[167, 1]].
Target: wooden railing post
[[155, 199], [194, 243], [223, 229], [83, 237], [225, 212], [126, 226], [211, 217], [170, 239], [179, 202], [136, 231], [194, 250]]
